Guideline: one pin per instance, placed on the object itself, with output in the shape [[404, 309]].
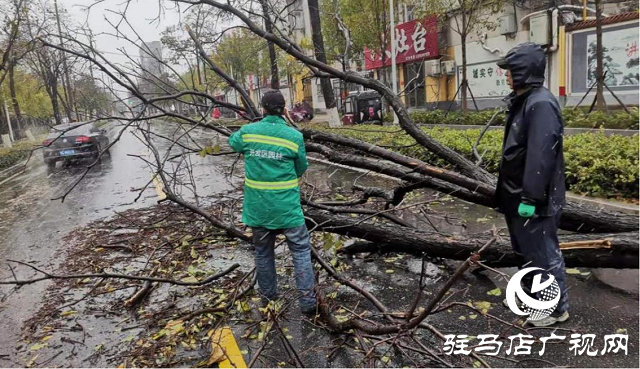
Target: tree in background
[[273, 59], [600, 103], [464, 17], [30, 95], [318, 47], [367, 23], [241, 54], [91, 98]]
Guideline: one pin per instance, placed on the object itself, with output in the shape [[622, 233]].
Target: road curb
[[604, 204], [10, 172]]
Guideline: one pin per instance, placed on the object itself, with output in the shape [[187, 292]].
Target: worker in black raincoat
[[531, 182]]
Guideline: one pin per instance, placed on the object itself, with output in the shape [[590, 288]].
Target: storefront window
[[414, 85]]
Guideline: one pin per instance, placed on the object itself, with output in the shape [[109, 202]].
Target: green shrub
[[602, 166], [577, 118], [596, 165], [12, 156]]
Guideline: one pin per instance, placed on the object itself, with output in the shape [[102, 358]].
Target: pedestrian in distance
[[274, 160], [531, 181]]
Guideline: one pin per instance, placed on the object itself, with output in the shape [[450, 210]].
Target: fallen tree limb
[[371, 328], [47, 275], [386, 238], [576, 216]]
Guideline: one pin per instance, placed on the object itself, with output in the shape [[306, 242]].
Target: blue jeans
[[298, 241], [536, 241]]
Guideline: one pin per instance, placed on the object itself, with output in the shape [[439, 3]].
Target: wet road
[[32, 228]]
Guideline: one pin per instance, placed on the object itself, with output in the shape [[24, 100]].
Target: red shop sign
[[415, 40]]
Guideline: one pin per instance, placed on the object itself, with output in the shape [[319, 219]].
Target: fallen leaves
[[38, 346], [172, 328], [495, 292]]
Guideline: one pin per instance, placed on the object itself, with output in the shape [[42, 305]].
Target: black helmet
[[273, 102], [527, 63]]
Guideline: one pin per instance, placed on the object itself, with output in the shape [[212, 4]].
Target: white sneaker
[[518, 302], [550, 320]]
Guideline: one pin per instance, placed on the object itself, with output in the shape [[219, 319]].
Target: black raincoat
[[532, 164], [532, 170]]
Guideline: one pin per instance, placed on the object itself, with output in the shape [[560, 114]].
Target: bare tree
[[611, 237], [273, 60], [599, 99], [318, 46]]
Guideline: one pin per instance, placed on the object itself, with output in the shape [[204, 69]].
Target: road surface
[[32, 227]]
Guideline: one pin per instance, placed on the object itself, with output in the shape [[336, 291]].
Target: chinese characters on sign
[[415, 40], [266, 154], [486, 80], [522, 344]]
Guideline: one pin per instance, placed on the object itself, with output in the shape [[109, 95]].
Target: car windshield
[[69, 130]]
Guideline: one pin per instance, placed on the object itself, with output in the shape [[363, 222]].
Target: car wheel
[[96, 155]]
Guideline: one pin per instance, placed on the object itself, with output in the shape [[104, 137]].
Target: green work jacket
[[274, 159]]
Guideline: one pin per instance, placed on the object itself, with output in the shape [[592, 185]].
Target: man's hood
[[527, 63]]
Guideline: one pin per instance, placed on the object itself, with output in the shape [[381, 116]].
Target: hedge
[[596, 165], [12, 156], [577, 118]]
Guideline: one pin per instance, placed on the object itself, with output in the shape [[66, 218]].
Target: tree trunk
[[600, 102], [70, 107], [318, 46], [576, 216], [463, 84], [268, 26], [622, 251], [14, 97]]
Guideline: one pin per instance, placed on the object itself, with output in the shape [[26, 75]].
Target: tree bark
[[600, 102], [463, 84], [318, 47], [623, 251], [14, 97], [576, 216], [66, 81], [268, 26]]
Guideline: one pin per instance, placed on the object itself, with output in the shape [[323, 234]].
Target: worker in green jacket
[[274, 160]]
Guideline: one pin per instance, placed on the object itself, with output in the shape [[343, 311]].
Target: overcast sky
[[141, 14]]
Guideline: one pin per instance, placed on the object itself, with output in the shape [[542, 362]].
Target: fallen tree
[[619, 250]]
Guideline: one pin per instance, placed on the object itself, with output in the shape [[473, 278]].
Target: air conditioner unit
[[507, 24], [539, 29], [432, 67], [448, 67]]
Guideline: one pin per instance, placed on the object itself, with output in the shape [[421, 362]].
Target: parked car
[[73, 141], [362, 107]]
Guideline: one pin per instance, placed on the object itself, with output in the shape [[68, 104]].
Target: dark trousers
[[536, 241], [298, 240]]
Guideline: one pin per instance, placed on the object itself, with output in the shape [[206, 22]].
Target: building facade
[[429, 56]]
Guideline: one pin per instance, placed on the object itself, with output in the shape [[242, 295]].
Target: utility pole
[[394, 69], [66, 82]]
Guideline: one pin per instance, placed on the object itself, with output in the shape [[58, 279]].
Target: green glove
[[526, 210]]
